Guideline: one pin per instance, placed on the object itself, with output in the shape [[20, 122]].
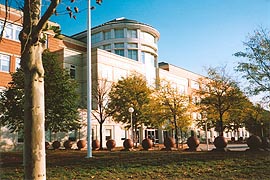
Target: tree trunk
[[100, 136], [176, 132], [34, 115]]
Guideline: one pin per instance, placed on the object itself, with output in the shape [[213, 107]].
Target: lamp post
[[204, 116], [89, 83], [262, 128], [206, 134], [131, 110]]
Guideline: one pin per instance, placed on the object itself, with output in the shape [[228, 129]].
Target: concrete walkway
[[231, 147]]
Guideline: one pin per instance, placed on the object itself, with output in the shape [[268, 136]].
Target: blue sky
[[193, 33]]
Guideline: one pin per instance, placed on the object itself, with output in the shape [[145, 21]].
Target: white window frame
[[4, 59]]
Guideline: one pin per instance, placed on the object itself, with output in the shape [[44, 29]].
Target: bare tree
[[101, 96]]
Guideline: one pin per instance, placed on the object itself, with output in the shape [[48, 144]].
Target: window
[[107, 47], [131, 33], [143, 57], [119, 52], [108, 134], [119, 49], [11, 31], [8, 32], [96, 38], [17, 32], [133, 54], [72, 72], [148, 58], [195, 85], [17, 64], [107, 35], [119, 45], [119, 33], [132, 45], [73, 135], [4, 62]]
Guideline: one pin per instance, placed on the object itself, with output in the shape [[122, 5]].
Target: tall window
[[119, 33], [131, 33], [107, 35], [72, 71], [17, 64], [143, 57], [108, 134], [119, 49], [96, 37], [4, 62], [133, 54]]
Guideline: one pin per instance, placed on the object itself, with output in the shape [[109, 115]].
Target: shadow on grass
[[148, 164]]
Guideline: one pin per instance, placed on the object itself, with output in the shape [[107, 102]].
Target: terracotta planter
[[95, 144], [220, 142], [147, 144], [67, 144], [110, 144], [81, 144], [265, 142], [193, 142], [254, 142], [56, 145], [169, 143], [47, 145], [128, 144]]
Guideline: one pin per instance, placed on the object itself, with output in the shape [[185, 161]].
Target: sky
[[194, 34]]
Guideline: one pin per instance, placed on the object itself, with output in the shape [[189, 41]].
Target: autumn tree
[[172, 108], [131, 91], [256, 120], [61, 99], [256, 64], [101, 99], [235, 117], [219, 93]]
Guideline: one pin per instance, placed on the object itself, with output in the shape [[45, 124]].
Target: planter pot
[[67, 144], [193, 142], [81, 144], [265, 142], [47, 145], [110, 144], [128, 144], [147, 144], [169, 143], [56, 145], [95, 144], [220, 142], [254, 142]]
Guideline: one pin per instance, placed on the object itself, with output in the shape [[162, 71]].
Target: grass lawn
[[72, 164]]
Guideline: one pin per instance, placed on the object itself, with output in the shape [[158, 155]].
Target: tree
[[236, 115], [131, 91], [101, 96], [219, 94], [256, 67], [32, 41], [257, 120], [61, 99], [171, 106]]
